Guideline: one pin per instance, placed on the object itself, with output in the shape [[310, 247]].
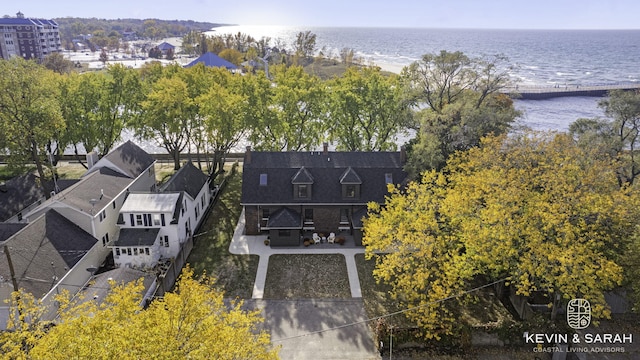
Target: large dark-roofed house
[[289, 193]]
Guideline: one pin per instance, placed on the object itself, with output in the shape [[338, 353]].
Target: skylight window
[[263, 179]]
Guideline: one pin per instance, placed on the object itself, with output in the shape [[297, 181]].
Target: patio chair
[[316, 238], [331, 238]]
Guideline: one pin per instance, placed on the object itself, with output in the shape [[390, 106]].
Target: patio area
[[348, 241]]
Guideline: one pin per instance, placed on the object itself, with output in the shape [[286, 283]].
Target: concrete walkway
[[254, 245]]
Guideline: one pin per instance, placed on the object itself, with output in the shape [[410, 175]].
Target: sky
[[482, 14]]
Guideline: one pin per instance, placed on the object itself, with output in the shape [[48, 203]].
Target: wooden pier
[[548, 92]]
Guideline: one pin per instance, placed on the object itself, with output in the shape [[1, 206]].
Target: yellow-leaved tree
[[193, 322], [534, 209]]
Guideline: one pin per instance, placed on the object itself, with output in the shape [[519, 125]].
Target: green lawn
[[235, 274], [304, 276]]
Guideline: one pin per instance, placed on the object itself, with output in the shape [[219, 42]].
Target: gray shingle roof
[[128, 158], [285, 218], [24, 190], [137, 237], [189, 178], [326, 171], [99, 287], [44, 250], [8, 229]]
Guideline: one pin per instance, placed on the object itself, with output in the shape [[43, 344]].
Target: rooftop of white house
[[158, 203]]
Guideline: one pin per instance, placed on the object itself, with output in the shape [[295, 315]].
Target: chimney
[[403, 155], [247, 155], [325, 148], [92, 159]]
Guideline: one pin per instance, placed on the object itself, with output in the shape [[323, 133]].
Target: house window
[[117, 251], [202, 201], [308, 216], [156, 219], [105, 239], [388, 178], [197, 212], [165, 241], [139, 219], [350, 191], [146, 251], [303, 191], [162, 219], [113, 204], [129, 251], [344, 216], [103, 215], [135, 251], [284, 233], [263, 179]]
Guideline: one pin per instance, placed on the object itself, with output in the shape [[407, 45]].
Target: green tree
[[30, 115], [624, 108], [232, 55], [193, 322], [56, 62], [367, 110], [120, 96], [103, 56], [170, 54], [618, 136], [305, 44], [534, 209], [166, 114], [225, 114], [297, 120], [459, 103]]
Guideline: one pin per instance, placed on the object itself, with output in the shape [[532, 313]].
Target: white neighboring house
[[95, 201], [153, 226]]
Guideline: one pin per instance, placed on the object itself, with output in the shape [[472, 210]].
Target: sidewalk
[[254, 245]]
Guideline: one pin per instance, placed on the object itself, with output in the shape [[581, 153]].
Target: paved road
[[289, 320]]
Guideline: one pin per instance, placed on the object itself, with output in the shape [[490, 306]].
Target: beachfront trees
[[305, 44], [535, 210], [624, 108], [459, 102], [30, 115], [193, 322], [367, 110], [296, 120], [618, 136]]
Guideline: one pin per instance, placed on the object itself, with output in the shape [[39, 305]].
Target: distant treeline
[[71, 28]]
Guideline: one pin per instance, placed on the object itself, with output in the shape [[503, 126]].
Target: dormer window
[[350, 184], [303, 191], [302, 182]]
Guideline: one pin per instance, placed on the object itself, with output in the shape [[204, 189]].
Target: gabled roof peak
[[350, 177], [302, 177]]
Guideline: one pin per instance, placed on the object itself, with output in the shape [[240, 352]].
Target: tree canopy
[[535, 210], [191, 322], [458, 103], [618, 135]]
